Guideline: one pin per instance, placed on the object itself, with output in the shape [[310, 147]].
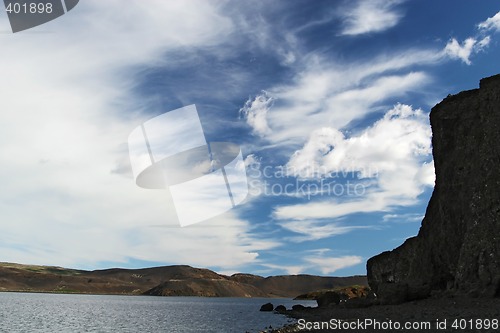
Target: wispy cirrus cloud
[[366, 16], [334, 94], [491, 23], [403, 218], [320, 261], [311, 230], [329, 265], [289, 269]]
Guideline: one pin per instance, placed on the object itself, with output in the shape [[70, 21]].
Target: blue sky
[[328, 100]]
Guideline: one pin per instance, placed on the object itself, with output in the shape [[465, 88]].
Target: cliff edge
[[457, 248]]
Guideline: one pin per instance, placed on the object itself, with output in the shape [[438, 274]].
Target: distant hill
[[294, 285], [162, 281]]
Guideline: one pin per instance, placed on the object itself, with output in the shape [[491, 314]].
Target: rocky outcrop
[[326, 298], [458, 245], [280, 309], [293, 285], [247, 285], [267, 307], [219, 287]]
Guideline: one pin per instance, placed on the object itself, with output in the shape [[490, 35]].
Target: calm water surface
[[24, 312]]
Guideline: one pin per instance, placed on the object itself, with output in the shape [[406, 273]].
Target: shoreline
[[132, 294], [463, 314]]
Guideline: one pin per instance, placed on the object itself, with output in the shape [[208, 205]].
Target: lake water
[[25, 312]]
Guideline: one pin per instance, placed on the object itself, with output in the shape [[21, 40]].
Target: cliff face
[[458, 245]]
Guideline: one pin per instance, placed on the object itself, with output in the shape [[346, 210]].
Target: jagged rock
[[458, 245], [328, 298], [280, 308], [359, 302], [267, 307], [298, 307], [393, 293]]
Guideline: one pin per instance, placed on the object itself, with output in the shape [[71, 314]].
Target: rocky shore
[[453, 314]]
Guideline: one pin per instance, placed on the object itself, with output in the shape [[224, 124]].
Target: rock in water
[[280, 309], [298, 307], [458, 245], [267, 307]]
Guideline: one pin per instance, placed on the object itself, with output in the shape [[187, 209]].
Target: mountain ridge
[[175, 280]]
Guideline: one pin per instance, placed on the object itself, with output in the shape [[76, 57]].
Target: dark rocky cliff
[[458, 245]]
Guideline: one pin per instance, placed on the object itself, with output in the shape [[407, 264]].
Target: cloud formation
[[473, 45], [68, 105], [255, 111], [394, 153], [335, 94], [321, 261], [463, 52], [329, 265], [314, 230], [491, 23], [370, 16]]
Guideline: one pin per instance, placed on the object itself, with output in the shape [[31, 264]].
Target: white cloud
[[319, 261], [224, 241], [368, 16], [426, 175], [314, 230], [330, 265], [483, 43], [393, 153], [289, 269], [402, 218], [264, 32], [472, 45], [252, 161], [463, 52], [491, 23], [255, 112], [457, 51], [402, 135]]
